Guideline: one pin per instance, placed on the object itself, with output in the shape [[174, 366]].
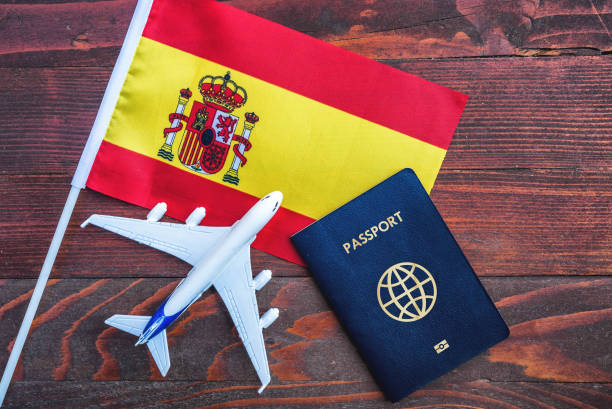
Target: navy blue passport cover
[[400, 285]]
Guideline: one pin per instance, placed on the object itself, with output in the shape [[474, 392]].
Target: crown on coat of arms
[[222, 92]]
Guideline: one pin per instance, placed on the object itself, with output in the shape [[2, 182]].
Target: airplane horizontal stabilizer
[[158, 345], [132, 324]]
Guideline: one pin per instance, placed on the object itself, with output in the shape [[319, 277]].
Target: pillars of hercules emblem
[[166, 150], [239, 160]]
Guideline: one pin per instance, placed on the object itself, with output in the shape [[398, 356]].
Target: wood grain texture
[[558, 327], [324, 395], [525, 189], [90, 32], [312, 361], [561, 105], [525, 232]]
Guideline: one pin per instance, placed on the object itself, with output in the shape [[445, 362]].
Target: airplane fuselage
[[204, 273]]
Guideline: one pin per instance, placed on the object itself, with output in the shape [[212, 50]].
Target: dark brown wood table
[[526, 188]]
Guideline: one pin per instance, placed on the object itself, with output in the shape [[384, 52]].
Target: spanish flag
[[220, 107]]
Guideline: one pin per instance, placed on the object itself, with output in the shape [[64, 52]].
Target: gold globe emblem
[[406, 292]]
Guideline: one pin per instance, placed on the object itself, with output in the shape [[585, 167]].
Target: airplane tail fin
[[158, 345]]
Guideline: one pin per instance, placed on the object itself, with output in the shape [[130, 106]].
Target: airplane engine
[[269, 317], [157, 212], [262, 279], [196, 217]]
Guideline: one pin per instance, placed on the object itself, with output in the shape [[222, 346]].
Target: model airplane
[[221, 257]]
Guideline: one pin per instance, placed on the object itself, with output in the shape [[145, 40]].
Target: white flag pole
[[81, 174]]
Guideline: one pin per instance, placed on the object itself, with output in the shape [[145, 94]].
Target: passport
[[400, 285]]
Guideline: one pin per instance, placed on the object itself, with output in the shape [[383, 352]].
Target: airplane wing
[[237, 289], [189, 243]]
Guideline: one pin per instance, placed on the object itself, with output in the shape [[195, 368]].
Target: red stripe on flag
[[143, 181], [307, 66]]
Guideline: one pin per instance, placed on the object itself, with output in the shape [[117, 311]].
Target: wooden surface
[[526, 188]]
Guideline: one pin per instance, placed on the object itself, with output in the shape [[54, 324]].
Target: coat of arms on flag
[[210, 128]]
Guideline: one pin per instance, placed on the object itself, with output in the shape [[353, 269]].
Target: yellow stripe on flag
[[318, 156]]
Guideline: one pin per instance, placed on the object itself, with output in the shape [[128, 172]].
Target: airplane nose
[[276, 195], [276, 198]]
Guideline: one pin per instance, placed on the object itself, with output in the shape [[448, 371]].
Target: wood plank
[[324, 395], [68, 34], [509, 223], [475, 27], [528, 113], [561, 105], [559, 333], [530, 222], [83, 33]]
